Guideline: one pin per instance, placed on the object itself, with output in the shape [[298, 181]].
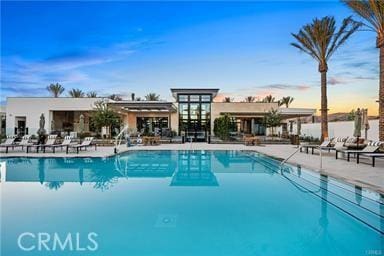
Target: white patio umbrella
[[358, 124], [81, 123], [365, 123]]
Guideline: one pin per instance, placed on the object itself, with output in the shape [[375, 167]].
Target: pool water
[[183, 203]]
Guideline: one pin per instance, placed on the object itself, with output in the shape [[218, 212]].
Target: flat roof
[[134, 106], [212, 91]]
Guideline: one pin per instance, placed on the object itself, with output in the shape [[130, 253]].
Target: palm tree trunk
[[381, 95], [324, 106]]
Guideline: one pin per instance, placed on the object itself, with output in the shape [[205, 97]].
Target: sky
[[140, 47]]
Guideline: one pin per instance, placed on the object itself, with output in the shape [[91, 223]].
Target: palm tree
[[152, 97], [373, 13], [320, 40], [249, 99], [92, 94], [115, 97], [286, 101], [269, 99], [55, 89], [227, 99], [76, 93]]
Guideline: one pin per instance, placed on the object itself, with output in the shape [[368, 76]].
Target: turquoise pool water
[[183, 203]]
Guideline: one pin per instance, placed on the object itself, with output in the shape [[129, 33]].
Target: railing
[[119, 138], [291, 155]]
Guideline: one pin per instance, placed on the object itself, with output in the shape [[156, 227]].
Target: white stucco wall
[[32, 107]]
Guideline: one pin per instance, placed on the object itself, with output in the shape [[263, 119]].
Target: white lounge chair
[[9, 142], [87, 142], [372, 147], [51, 140]]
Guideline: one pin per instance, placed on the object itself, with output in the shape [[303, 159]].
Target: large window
[[195, 115], [151, 124]]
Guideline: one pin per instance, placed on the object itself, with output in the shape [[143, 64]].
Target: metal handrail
[[119, 137], [291, 155]]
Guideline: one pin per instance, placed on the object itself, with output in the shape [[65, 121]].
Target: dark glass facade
[[150, 124], [195, 115]]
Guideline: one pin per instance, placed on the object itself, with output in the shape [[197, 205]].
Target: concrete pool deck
[[362, 174]]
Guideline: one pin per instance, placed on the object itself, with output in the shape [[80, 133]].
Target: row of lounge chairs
[[349, 147], [51, 144]]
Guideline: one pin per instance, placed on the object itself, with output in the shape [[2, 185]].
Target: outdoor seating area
[[349, 147], [51, 144]]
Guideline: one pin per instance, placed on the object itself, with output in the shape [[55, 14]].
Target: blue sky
[[123, 47]]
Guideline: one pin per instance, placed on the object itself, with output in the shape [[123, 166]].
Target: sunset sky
[[123, 47]]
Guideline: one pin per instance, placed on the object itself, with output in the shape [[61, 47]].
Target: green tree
[[76, 93], [92, 94], [351, 115], [55, 89], [222, 126], [104, 116], [372, 11], [272, 119], [320, 40], [152, 97]]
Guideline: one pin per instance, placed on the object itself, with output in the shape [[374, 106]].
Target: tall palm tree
[[152, 97], [55, 89], [115, 97], [92, 94], [320, 40], [249, 99], [269, 99], [372, 11], [286, 101], [227, 99], [76, 93]]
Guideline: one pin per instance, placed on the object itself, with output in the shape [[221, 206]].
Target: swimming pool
[[183, 203]]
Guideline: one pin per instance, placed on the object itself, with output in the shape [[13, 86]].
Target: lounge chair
[[338, 144], [9, 142], [25, 142], [87, 142], [372, 147], [326, 143], [51, 140], [66, 142], [373, 156]]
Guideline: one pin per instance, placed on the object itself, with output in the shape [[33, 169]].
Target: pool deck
[[362, 174]]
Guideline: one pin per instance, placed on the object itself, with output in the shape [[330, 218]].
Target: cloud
[[337, 80], [285, 87], [20, 76]]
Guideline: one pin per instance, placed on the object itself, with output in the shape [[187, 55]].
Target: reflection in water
[[194, 169], [54, 185], [358, 194]]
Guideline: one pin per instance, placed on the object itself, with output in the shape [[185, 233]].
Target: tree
[[92, 94], [152, 97], [104, 116], [269, 99], [55, 89], [76, 93], [249, 99], [115, 97], [351, 115], [272, 119], [320, 40], [222, 126], [373, 13], [228, 99], [286, 101]]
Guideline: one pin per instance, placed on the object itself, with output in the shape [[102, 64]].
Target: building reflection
[[194, 169]]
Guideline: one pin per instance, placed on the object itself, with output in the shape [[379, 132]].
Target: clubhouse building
[[193, 112]]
